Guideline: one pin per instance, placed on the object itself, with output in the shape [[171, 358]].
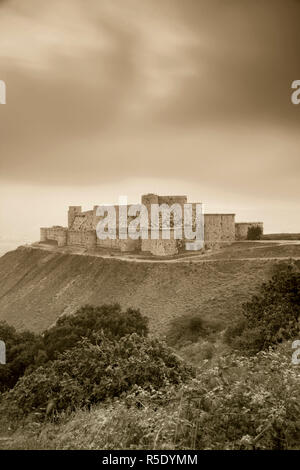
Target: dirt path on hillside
[[197, 258]]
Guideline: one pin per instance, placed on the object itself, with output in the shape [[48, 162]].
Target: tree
[[23, 350], [271, 316], [87, 321], [26, 351], [254, 233]]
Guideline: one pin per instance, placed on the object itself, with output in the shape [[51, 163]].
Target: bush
[[110, 319], [93, 372], [23, 350], [189, 329], [254, 233], [243, 403], [271, 316], [240, 403]]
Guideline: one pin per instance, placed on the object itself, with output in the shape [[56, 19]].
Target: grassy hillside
[[37, 286], [249, 249], [281, 236], [134, 391]]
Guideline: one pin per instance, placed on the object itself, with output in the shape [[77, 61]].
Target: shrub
[[69, 330], [271, 316], [23, 350], [189, 329], [196, 353], [93, 372], [240, 403], [243, 403], [26, 350], [254, 233]]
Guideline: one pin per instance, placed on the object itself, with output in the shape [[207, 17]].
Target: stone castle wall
[[218, 229], [56, 233], [82, 238], [161, 247], [121, 245]]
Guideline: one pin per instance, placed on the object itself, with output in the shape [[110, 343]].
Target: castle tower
[[91, 239], [73, 211], [61, 237], [43, 234], [148, 200]]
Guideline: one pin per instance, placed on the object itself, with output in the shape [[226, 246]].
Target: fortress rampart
[[55, 233], [219, 229]]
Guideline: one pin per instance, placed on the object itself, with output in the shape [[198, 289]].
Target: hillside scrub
[[23, 351], [93, 372], [26, 351], [113, 390], [88, 320], [190, 328], [49, 283], [271, 316], [239, 403], [244, 403]]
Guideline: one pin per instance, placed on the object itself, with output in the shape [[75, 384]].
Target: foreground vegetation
[[113, 387], [241, 403], [26, 351]]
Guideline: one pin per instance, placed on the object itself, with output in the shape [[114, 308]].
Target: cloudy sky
[[124, 97]]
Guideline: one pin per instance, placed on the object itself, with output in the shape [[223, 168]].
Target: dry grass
[[37, 286]]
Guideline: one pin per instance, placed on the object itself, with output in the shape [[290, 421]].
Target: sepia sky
[[124, 97]]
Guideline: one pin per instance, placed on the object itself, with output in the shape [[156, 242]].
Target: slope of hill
[[37, 286]]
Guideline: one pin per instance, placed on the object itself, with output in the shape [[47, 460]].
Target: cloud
[[99, 91]]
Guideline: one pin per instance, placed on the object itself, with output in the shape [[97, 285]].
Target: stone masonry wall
[[163, 247], [72, 212], [56, 233], [218, 228]]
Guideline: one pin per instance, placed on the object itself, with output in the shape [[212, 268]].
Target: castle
[[219, 229]]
